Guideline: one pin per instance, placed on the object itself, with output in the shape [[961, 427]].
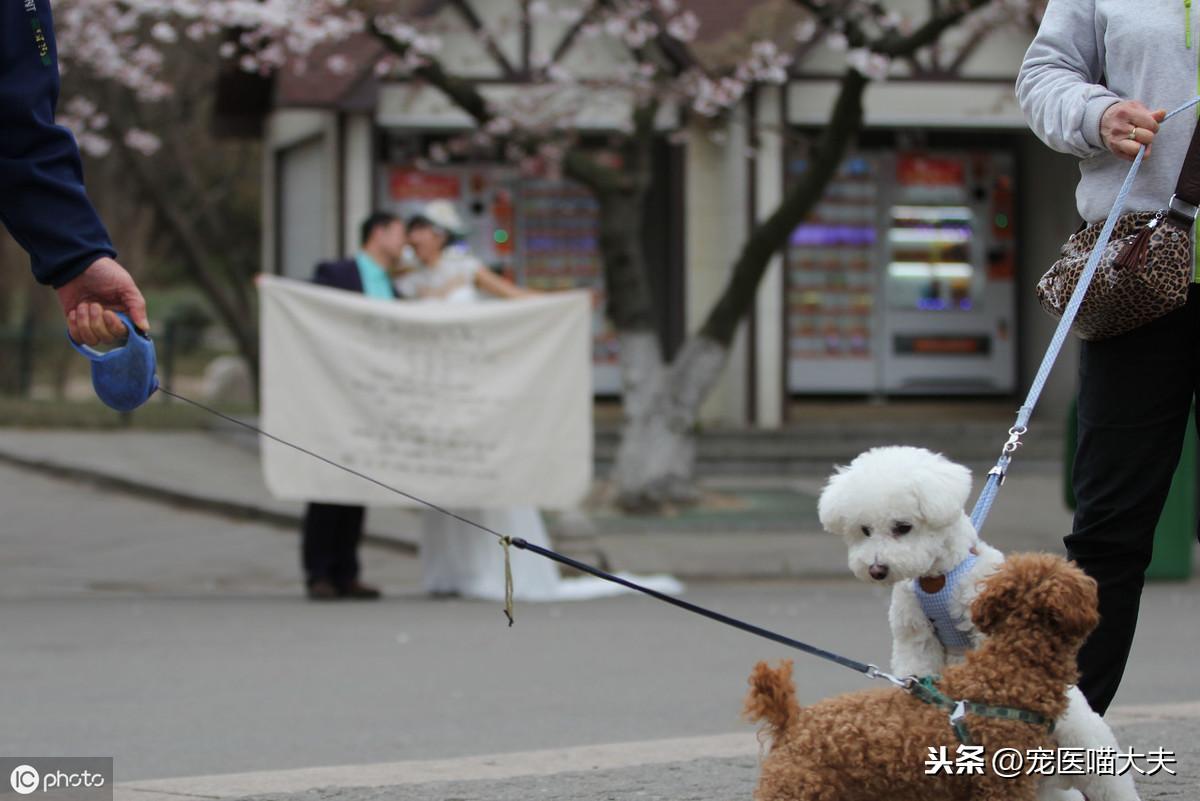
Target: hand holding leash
[[1128, 125], [91, 300]]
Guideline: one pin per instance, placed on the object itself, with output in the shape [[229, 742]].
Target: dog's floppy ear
[[943, 489], [1070, 599], [831, 506], [1001, 594], [1038, 587]]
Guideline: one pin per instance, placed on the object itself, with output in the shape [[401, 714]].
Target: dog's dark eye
[[866, 530], [900, 529]]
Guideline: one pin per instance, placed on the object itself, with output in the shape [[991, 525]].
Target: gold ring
[[1133, 133]]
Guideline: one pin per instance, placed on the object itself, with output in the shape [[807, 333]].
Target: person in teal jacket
[[43, 202]]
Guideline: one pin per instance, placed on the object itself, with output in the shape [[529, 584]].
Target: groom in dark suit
[[332, 532]]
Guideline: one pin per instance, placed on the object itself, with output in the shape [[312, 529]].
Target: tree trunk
[[656, 459], [656, 446], [228, 302]]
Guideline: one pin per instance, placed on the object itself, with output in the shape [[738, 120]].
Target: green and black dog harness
[[925, 689]]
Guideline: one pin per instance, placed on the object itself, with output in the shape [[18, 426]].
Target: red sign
[[409, 184], [915, 170]]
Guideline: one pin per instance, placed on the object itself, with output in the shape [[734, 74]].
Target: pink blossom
[[143, 142], [338, 65], [164, 32], [93, 145], [684, 27], [805, 31], [869, 64]]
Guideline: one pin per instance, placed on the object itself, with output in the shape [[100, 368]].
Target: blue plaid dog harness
[[936, 607]]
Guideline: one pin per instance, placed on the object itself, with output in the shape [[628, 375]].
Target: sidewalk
[[718, 767], [748, 526]]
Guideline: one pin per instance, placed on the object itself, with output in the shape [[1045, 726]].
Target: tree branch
[[573, 32], [892, 44], [526, 38], [582, 167], [898, 46], [194, 251], [968, 49], [676, 51], [769, 236], [462, 93], [463, 7], [831, 17]]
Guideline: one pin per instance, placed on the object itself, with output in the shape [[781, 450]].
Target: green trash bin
[[1172, 559]]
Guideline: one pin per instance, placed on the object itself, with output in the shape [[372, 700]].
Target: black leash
[[861, 667], [869, 670]]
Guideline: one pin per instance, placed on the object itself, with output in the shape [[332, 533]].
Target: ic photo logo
[[58, 778], [24, 779]]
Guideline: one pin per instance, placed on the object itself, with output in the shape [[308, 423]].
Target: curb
[[183, 500], [691, 556]]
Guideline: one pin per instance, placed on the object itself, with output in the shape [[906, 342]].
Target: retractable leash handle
[[124, 378]]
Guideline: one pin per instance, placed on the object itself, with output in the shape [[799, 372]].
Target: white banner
[[484, 404]]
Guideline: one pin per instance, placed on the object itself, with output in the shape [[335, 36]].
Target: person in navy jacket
[[43, 203], [332, 532]]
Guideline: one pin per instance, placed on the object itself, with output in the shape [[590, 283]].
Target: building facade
[[913, 277]]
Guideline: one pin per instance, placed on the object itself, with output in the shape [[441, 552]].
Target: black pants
[[330, 547], [1135, 392]]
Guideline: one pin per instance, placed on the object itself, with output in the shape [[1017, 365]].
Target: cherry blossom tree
[[666, 85], [138, 94]]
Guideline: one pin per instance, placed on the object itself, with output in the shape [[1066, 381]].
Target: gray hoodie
[[1090, 54]]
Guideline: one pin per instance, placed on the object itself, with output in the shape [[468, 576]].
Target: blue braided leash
[[996, 475]]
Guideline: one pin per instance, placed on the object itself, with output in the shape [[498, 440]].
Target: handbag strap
[[1185, 203]]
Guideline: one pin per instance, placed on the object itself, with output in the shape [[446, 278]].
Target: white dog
[[900, 512]]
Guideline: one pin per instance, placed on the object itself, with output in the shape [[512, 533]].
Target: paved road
[[177, 642]]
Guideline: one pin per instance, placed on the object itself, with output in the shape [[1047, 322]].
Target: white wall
[[358, 176], [715, 205], [300, 206], [769, 307]]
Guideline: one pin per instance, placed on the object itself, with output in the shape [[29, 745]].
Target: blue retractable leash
[[998, 473], [124, 378]]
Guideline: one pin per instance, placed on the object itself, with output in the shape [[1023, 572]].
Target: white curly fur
[[900, 512]]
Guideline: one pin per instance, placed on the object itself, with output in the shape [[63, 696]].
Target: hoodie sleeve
[[43, 203], [1059, 86]]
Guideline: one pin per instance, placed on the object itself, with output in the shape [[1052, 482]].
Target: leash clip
[[1014, 439], [904, 684]]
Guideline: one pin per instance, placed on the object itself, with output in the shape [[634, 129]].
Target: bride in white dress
[[457, 559]]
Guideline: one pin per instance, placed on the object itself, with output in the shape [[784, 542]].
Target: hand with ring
[[1128, 125]]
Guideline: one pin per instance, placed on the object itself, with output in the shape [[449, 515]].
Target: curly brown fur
[[873, 745], [772, 698]]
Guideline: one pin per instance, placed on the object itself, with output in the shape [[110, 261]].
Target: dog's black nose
[[878, 572]]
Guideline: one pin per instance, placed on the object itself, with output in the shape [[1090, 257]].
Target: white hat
[[444, 215]]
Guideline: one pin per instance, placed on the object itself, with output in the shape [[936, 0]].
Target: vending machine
[[558, 222], [949, 266], [833, 284], [902, 280]]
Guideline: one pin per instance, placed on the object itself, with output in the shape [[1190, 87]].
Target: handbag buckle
[[1182, 210]]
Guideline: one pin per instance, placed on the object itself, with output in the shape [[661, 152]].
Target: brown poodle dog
[[872, 745]]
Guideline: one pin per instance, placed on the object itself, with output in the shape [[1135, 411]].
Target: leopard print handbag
[[1144, 273]]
